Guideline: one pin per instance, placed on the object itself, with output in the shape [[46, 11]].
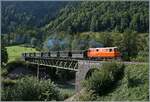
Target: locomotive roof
[[104, 48]]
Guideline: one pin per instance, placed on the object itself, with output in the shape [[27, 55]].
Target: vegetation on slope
[[29, 88], [102, 16], [133, 86], [4, 55], [28, 14], [104, 79]]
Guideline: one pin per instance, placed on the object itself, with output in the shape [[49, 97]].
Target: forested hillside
[[34, 14], [102, 16], [76, 16]]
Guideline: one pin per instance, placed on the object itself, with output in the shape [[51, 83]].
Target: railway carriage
[[64, 54], [54, 54], [77, 54], [91, 53]]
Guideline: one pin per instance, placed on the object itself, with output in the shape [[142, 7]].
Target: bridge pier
[[83, 68]]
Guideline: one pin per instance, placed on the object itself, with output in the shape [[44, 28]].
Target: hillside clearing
[[14, 52]]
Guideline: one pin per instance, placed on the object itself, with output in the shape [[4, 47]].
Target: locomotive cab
[[107, 52]]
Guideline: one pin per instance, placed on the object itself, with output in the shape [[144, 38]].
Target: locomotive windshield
[[115, 49]]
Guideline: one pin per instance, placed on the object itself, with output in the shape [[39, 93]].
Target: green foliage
[[16, 64], [66, 93], [65, 75], [31, 89], [102, 16], [33, 14], [106, 39], [128, 45], [4, 55], [133, 87], [8, 82], [131, 44], [141, 57], [4, 71], [102, 81], [33, 42], [87, 96]]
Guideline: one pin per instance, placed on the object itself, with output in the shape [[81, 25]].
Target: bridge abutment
[[83, 68]]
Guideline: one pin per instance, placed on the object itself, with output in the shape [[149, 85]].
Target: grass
[[133, 87], [66, 90], [14, 52]]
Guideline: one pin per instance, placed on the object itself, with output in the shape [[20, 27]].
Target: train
[[91, 53]]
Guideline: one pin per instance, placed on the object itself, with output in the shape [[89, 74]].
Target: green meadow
[[15, 52]]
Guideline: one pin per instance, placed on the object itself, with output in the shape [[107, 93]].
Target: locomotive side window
[[106, 50], [97, 50], [110, 50]]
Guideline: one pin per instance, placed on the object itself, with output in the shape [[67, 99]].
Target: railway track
[[89, 60], [125, 62]]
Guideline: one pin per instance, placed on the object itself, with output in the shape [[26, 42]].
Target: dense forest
[[77, 25], [102, 16], [28, 14], [76, 16]]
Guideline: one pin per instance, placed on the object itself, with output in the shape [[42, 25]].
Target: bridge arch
[[90, 72]]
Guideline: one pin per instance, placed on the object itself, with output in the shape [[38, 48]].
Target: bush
[[31, 89], [4, 72], [66, 93], [4, 55], [141, 57], [102, 81], [8, 82], [14, 64], [65, 75], [87, 96]]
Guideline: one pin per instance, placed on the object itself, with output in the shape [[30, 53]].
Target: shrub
[[141, 57], [65, 75], [87, 96], [4, 72], [66, 93], [4, 55], [102, 81], [31, 89], [14, 64], [8, 82]]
